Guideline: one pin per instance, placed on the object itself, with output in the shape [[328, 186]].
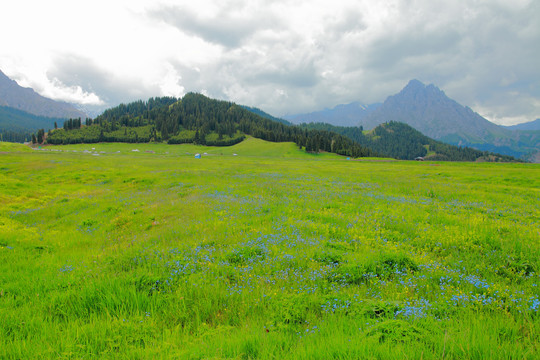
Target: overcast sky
[[282, 56]]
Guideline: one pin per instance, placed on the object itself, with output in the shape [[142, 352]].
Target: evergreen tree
[[164, 133], [40, 136]]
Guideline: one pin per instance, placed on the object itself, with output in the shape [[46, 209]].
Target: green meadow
[[262, 251]]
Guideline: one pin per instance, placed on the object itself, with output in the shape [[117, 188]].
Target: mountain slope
[[401, 141], [18, 126], [26, 99], [430, 111], [265, 115], [341, 115], [532, 125], [17, 120]]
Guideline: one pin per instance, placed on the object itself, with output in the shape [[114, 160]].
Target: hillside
[[12, 147], [531, 125], [342, 115], [266, 115], [23, 111], [250, 148], [430, 111], [26, 99], [18, 126], [200, 120], [401, 141]]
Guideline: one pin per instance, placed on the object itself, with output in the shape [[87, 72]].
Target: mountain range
[[427, 109], [532, 125], [198, 119], [18, 126], [401, 141], [23, 111], [342, 115], [15, 96]]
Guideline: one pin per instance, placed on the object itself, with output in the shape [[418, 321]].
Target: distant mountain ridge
[[18, 126], [427, 109], [531, 125], [265, 115], [401, 141], [12, 119], [341, 115], [430, 111], [15, 96]]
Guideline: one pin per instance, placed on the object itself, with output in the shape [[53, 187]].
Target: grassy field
[[271, 253]]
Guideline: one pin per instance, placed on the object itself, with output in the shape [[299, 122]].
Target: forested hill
[[266, 115], [197, 119], [17, 125], [401, 141]]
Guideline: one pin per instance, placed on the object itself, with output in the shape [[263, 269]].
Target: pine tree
[[40, 136], [164, 133]]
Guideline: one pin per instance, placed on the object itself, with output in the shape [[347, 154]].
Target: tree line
[[15, 136], [401, 141], [198, 119]]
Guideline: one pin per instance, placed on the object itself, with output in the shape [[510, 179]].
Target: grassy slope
[[13, 147], [18, 120], [139, 255], [250, 147]]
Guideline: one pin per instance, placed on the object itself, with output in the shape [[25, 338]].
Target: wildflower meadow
[[262, 251]]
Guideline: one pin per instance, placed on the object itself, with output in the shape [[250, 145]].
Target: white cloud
[[318, 53], [74, 94], [170, 83]]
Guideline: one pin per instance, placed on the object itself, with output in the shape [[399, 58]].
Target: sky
[[282, 56]]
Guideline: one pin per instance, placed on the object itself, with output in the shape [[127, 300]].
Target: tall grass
[[272, 253]]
